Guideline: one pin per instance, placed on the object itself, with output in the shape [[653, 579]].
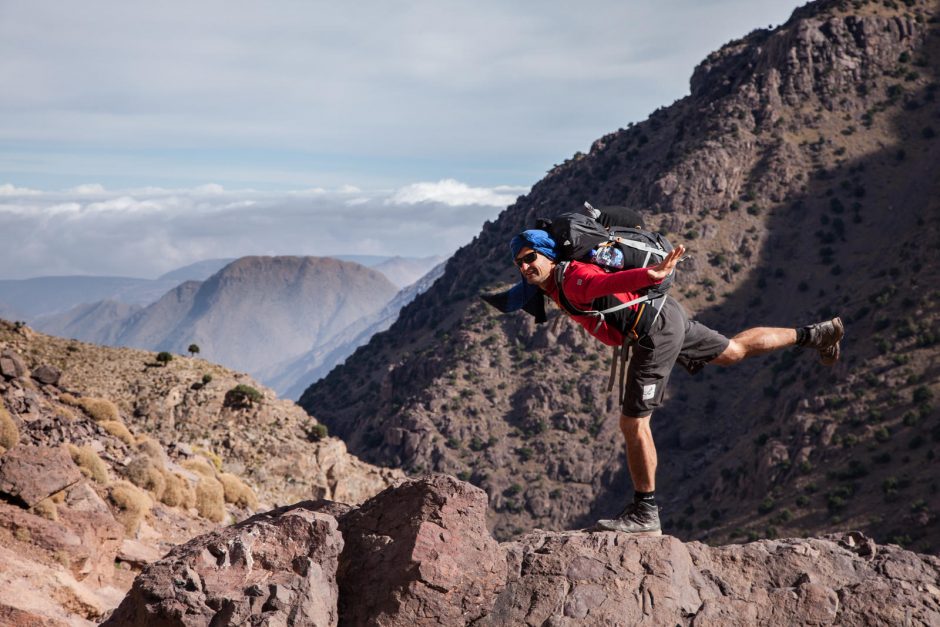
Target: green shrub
[[318, 432], [242, 396], [766, 505], [164, 358]]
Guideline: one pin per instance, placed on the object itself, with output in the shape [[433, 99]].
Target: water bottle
[[609, 256]]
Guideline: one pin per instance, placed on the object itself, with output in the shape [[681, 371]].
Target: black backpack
[[580, 237]]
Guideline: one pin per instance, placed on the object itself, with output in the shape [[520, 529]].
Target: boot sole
[[658, 532]]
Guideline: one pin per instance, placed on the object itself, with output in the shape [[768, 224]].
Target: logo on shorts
[[649, 391]]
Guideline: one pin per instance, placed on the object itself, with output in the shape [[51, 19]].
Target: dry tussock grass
[[9, 432], [119, 430], [238, 492], [100, 409], [210, 499], [89, 463], [178, 492], [68, 399], [143, 473], [152, 449], [47, 509], [199, 466], [212, 457], [132, 504]]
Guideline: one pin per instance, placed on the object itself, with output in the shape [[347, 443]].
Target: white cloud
[[210, 188], [88, 189], [148, 232], [454, 193], [8, 189]]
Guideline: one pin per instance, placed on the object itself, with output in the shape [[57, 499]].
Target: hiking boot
[[638, 518], [825, 337]]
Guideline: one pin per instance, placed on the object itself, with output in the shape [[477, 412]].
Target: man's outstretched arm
[[602, 284]]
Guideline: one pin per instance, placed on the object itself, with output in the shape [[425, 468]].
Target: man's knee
[[633, 426]]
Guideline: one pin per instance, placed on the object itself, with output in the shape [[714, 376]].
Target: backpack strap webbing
[[568, 306]]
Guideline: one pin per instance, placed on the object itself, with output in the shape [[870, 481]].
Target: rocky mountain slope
[[420, 554], [801, 174], [291, 379], [108, 459], [406, 271], [252, 314]]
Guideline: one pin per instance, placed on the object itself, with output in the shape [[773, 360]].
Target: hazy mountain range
[[262, 315], [27, 299]]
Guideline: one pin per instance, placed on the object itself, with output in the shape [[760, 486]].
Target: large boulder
[[276, 568], [12, 365], [47, 375], [419, 554], [32, 473]]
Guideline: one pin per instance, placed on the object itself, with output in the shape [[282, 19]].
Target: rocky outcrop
[[420, 554], [277, 568], [33, 473]]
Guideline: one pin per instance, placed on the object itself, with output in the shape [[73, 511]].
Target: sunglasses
[[527, 258]]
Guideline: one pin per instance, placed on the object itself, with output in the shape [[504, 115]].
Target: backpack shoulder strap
[[560, 270]]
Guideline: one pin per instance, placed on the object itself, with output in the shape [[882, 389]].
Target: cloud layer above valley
[[146, 232]]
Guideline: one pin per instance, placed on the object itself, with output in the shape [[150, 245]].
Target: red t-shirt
[[585, 281]]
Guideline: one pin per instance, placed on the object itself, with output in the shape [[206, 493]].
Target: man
[[665, 337]]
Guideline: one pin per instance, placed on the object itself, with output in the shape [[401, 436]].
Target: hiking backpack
[[613, 238]]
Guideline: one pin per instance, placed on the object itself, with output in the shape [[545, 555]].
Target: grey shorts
[[673, 339]]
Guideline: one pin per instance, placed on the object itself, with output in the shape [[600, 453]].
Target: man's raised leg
[[823, 336]]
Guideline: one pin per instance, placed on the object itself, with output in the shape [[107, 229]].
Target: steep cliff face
[[800, 172]]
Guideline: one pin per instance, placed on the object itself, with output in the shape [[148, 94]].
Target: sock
[[649, 498], [802, 335]]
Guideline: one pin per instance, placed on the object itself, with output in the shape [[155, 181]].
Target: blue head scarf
[[536, 239], [525, 296]]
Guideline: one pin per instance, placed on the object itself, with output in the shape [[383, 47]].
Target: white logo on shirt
[[649, 391]]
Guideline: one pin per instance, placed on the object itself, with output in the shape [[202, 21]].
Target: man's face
[[535, 267]]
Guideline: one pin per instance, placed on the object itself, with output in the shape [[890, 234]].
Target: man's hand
[[665, 267]]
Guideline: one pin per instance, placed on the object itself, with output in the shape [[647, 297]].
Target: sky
[[139, 137]]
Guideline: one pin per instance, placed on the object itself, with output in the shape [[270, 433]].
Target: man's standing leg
[[641, 452], [641, 516]]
